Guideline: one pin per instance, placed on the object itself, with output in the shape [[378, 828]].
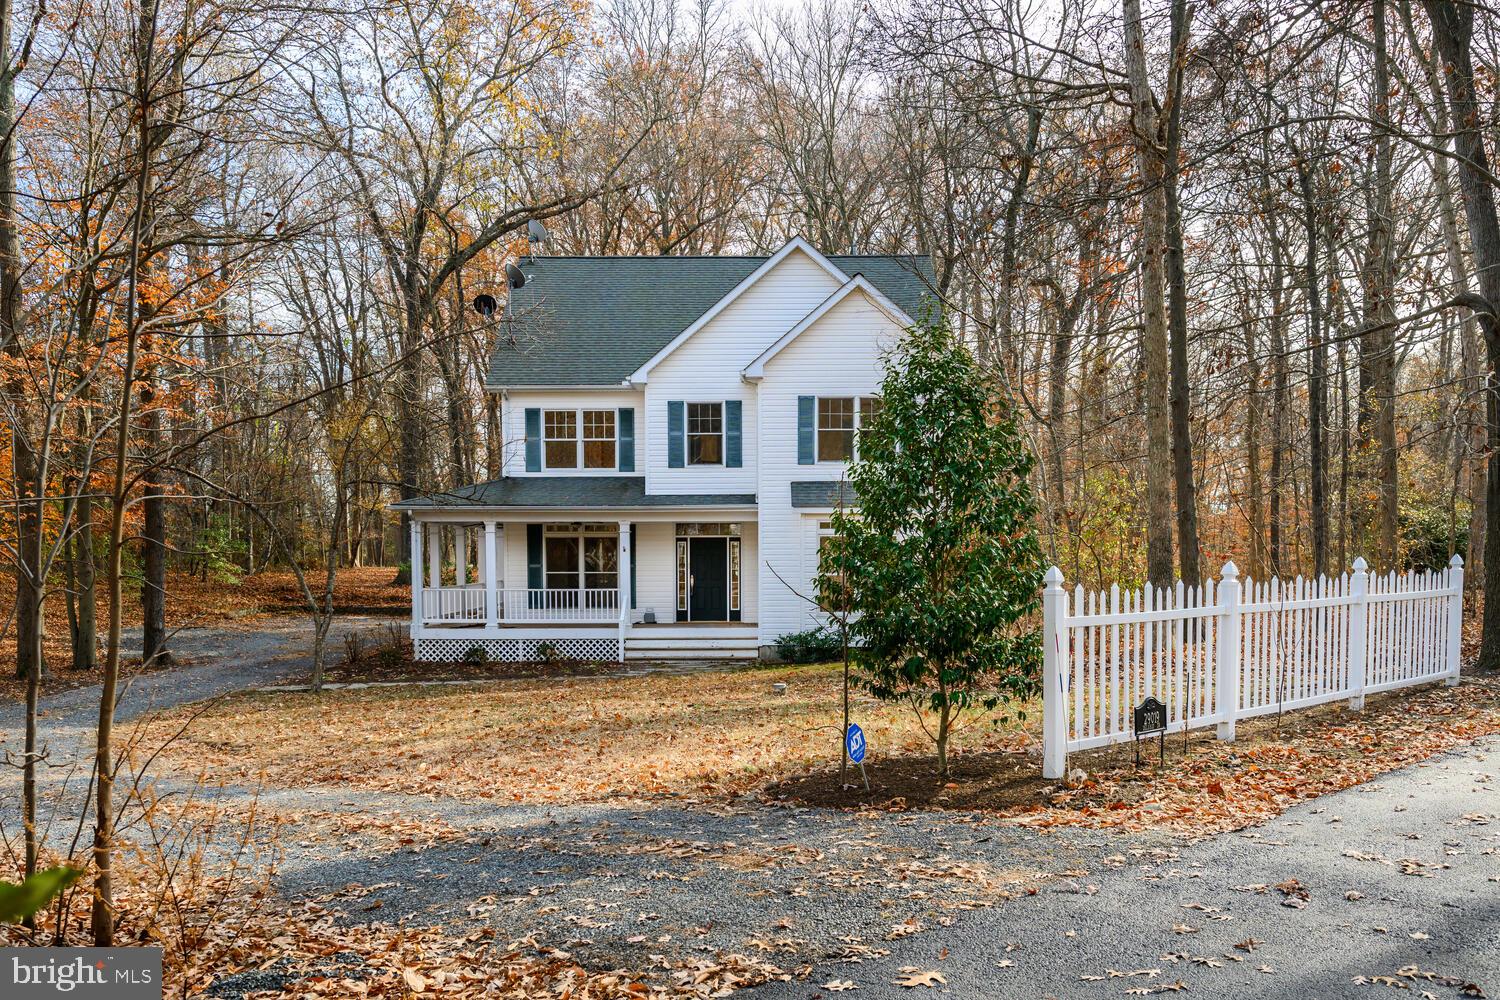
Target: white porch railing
[[466, 605], [1214, 655], [453, 604], [590, 604]]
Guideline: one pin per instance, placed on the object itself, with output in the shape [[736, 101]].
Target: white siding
[[655, 579], [513, 554], [707, 366], [839, 355], [513, 423]]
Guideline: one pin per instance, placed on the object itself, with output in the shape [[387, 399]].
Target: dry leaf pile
[[1227, 786], [235, 930]]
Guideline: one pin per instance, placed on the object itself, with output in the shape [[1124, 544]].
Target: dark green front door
[[708, 578]]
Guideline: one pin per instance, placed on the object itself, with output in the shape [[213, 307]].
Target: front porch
[[607, 590]]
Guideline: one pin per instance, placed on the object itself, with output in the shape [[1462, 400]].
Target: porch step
[[652, 646]]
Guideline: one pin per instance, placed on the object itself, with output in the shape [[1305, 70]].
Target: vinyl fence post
[[1359, 628], [1227, 669], [1455, 617], [1054, 689]]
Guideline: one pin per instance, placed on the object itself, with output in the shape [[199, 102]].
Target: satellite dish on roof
[[485, 304], [536, 232], [514, 276]]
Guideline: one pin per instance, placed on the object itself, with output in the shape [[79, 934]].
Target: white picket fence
[[1217, 654]]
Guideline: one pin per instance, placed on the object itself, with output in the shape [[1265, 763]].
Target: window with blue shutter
[[676, 443], [626, 425], [733, 449], [806, 415], [533, 439]]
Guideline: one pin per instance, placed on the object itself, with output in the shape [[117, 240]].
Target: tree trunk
[[1255, 496], [945, 722], [1377, 397], [1317, 381], [1153, 306], [154, 557], [1452, 32], [86, 626], [1181, 400]]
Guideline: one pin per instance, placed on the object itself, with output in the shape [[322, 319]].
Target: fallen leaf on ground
[[914, 977]]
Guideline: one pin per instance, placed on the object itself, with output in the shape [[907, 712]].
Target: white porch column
[[491, 576], [460, 554], [624, 579], [435, 554], [416, 575]]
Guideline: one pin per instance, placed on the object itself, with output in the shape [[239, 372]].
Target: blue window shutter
[[733, 451], [807, 408], [534, 556], [625, 446], [632, 567], [533, 440], [676, 442]]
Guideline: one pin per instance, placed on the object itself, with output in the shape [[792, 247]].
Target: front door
[[708, 579]]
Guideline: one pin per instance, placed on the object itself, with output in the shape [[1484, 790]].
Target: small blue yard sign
[[854, 743]]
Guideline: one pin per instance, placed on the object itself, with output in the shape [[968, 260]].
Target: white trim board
[[642, 374], [757, 368]]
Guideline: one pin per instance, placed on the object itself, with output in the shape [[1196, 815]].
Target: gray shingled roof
[[594, 320], [822, 493], [570, 491]]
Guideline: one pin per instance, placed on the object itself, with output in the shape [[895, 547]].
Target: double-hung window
[[705, 434], [581, 557], [598, 439], [579, 439], [840, 419]]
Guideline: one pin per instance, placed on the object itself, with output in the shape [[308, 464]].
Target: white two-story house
[[677, 435]]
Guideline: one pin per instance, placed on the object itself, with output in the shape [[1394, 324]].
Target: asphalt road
[[1404, 871], [1399, 872]]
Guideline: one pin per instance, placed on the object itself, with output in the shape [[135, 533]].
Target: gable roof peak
[[592, 321]]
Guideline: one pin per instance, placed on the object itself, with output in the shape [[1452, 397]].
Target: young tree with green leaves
[[940, 561]]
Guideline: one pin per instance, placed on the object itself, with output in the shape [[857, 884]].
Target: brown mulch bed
[[1207, 788]]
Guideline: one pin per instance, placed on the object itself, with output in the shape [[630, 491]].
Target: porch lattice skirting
[[514, 650]]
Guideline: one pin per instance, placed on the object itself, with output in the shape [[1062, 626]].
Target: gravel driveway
[[216, 661]]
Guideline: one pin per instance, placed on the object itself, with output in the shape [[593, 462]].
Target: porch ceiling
[[570, 493]]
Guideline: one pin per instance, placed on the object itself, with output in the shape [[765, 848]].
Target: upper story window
[[598, 439], [705, 433], [579, 439], [840, 419]]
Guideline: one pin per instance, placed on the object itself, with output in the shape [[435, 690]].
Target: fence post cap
[[1360, 565], [1230, 570], [1457, 562], [1054, 578]]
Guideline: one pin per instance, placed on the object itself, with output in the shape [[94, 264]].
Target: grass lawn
[[559, 740], [704, 736]]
